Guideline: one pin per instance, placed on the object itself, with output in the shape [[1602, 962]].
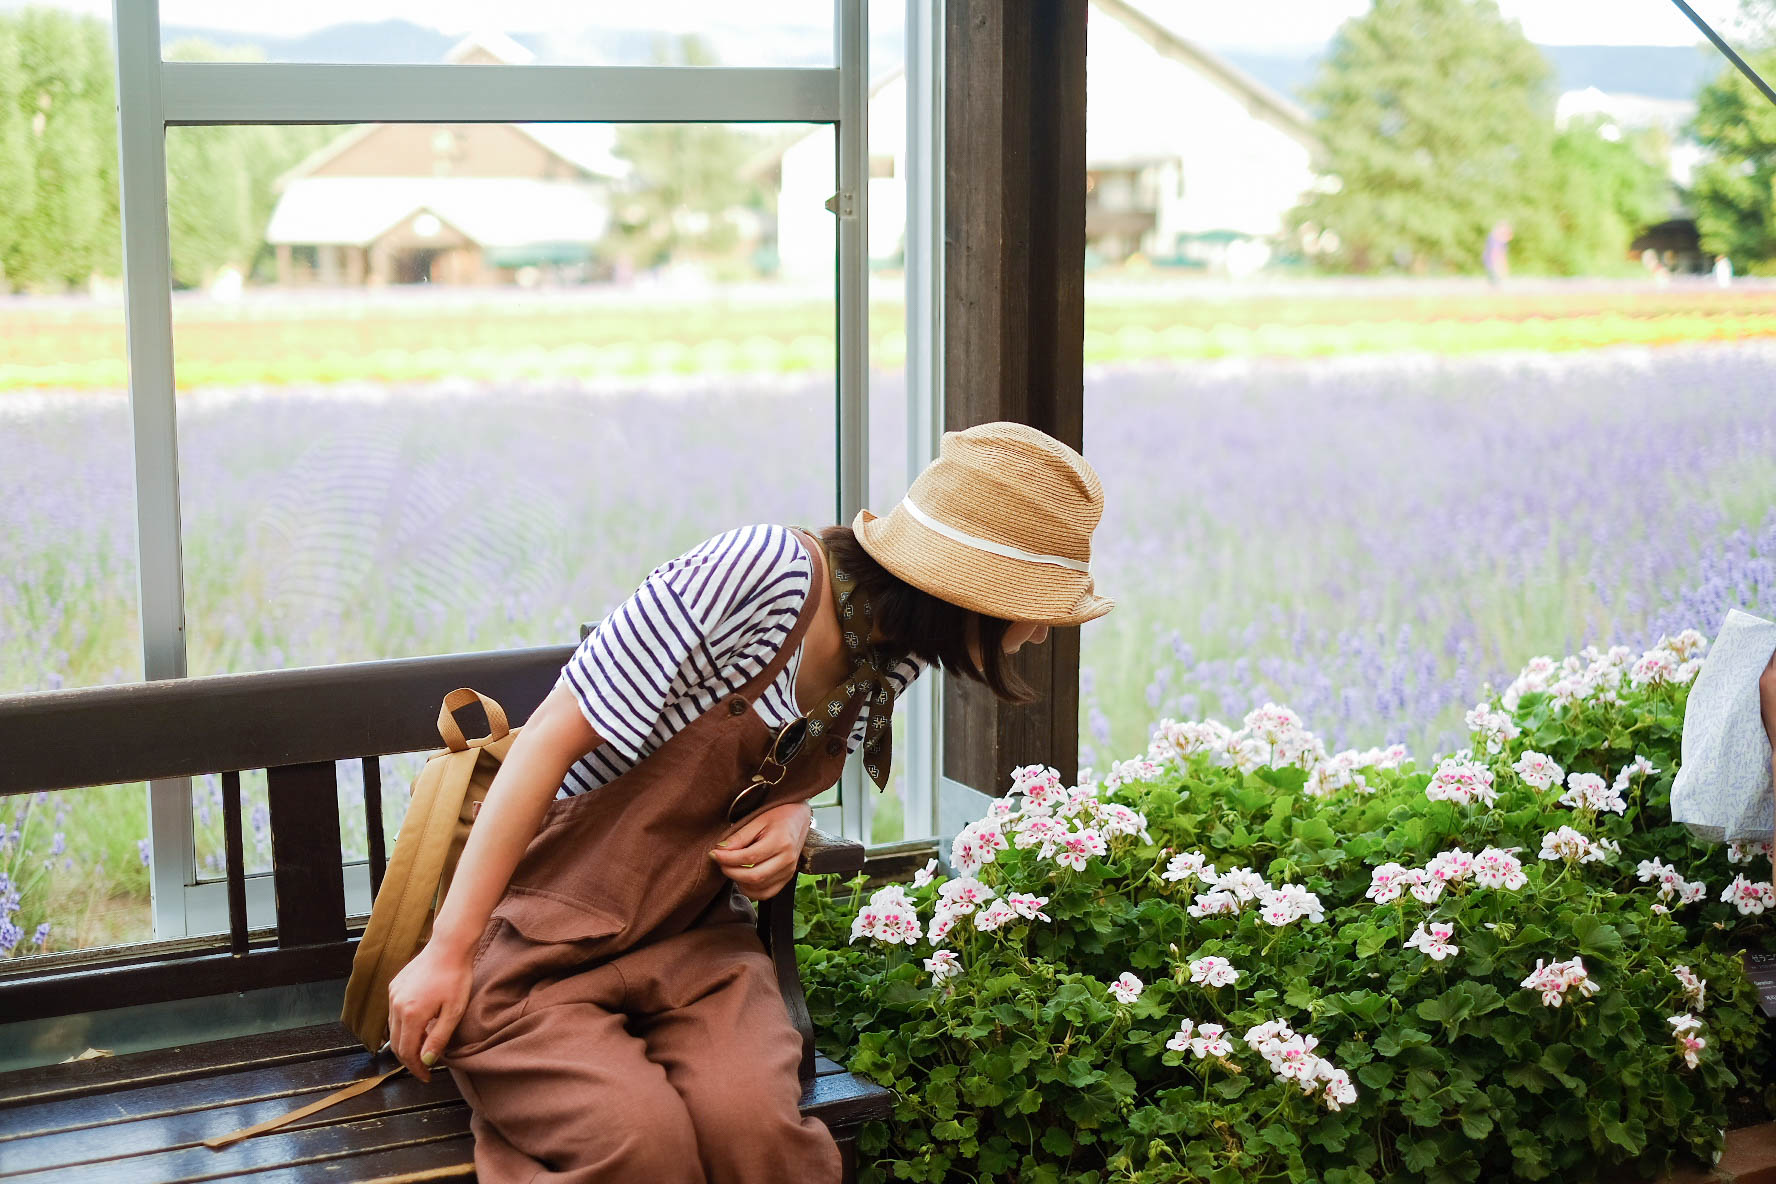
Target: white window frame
[[154, 95]]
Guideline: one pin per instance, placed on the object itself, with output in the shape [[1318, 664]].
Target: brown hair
[[926, 626]]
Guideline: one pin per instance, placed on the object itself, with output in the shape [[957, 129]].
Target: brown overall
[[625, 1023]]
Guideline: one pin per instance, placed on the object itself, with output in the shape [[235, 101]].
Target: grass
[[284, 339]]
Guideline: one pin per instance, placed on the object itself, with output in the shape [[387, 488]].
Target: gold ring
[[746, 865]]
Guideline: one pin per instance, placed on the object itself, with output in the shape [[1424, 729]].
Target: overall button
[[736, 706], [834, 748]]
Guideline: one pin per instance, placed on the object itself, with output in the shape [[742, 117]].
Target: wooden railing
[[294, 724]]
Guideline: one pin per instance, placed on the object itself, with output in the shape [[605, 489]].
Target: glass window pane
[[67, 521], [72, 875], [470, 402], [517, 32], [73, 870], [1350, 474]]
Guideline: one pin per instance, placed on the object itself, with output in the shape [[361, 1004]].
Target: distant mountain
[[1658, 71], [744, 43], [379, 42], [1665, 72]]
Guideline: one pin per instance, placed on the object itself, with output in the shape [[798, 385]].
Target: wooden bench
[[143, 1115]]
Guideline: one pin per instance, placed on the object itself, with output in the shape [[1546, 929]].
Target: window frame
[[154, 94]]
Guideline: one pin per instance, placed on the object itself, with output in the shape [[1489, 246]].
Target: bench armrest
[[824, 854]]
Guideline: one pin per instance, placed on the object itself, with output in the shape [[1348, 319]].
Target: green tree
[[1734, 192], [221, 181], [686, 180], [1434, 115], [57, 135], [1597, 189]]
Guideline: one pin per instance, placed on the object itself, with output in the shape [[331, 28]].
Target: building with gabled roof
[[1189, 160], [448, 203]]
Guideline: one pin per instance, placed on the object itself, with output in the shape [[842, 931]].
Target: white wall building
[[1188, 159]]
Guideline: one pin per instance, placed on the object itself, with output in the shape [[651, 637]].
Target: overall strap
[[816, 596]]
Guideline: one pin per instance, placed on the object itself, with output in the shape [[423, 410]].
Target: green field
[[283, 338]]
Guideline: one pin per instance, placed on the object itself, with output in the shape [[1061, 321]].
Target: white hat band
[[988, 545]]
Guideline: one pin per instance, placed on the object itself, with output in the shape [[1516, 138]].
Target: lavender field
[[1370, 539]]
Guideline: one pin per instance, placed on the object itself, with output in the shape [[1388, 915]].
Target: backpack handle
[[452, 733]]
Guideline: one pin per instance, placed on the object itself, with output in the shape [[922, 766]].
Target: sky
[[1251, 25]]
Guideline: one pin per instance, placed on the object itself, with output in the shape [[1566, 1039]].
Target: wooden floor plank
[[188, 1128], [283, 1149], [174, 1064], [223, 1088]]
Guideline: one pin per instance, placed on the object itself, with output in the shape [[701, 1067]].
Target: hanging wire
[[1744, 66]]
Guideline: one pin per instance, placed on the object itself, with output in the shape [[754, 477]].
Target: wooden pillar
[[285, 274], [1014, 312]]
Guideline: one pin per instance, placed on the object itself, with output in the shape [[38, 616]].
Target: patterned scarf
[[868, 677]]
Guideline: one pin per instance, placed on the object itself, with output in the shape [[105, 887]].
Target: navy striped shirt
[[699, 628]]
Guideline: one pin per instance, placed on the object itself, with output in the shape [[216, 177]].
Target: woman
[[593, 980]]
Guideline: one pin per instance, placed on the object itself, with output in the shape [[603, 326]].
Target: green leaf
[[1056, 1141], [1596, 936]]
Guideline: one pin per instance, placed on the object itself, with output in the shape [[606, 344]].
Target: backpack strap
[[409, 892]]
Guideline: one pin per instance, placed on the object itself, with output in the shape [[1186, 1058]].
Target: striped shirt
[[699, 628]]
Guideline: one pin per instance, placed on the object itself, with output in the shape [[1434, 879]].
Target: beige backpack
[[446, 797]]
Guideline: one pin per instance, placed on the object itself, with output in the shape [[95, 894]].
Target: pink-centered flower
[[1211, 1041], [1462, 782], [1538, 769], [1028, 906], [964, 894], [1127, 988], [1186, 865], [1497, 867], [1434, 941], [1078, 847], [1588, 791], [1213, 972], [1214, 903], [993, 916], [1695, 988], [1386, 883], [1689, 1045], [1555, 979], [1748, 897], [942, 965]]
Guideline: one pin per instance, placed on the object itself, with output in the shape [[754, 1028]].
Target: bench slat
[[291, 1148], [842, 1099], [222, 1088], [191, 1125], [447, 1159], [179, 1063]]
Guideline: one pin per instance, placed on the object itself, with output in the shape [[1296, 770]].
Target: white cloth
[[1723, 791]]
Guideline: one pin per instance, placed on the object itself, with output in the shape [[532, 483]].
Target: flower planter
[[1749, 1158]]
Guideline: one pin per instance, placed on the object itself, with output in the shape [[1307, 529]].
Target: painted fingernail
[[722, 844], [428, 1059]]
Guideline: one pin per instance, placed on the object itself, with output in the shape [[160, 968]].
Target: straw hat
[[1000, 523]]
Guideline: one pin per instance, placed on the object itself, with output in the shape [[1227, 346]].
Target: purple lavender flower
[[142, 849], [42, 938]]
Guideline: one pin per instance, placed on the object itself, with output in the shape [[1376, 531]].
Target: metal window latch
[[841, 204]]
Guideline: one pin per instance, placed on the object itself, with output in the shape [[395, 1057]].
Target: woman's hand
[[760, 855], [426, 999]]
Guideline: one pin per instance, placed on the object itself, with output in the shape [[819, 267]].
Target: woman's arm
[[426, 999]]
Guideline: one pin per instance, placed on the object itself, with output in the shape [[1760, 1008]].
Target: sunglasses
[[783, 749]]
